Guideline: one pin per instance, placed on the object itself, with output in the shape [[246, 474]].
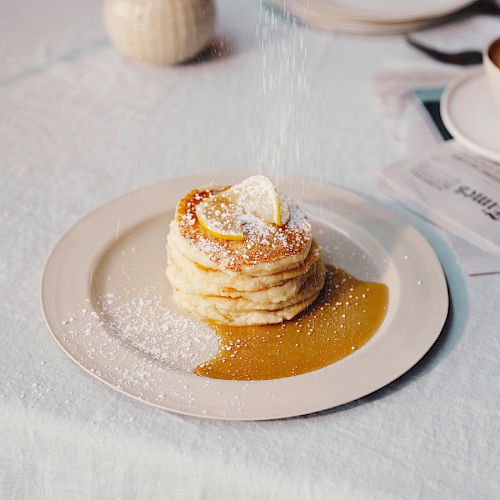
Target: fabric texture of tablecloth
[[79, 126]]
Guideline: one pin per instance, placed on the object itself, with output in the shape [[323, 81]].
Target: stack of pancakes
[[271, 275]]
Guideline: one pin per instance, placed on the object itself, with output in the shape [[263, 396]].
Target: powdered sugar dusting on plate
[[139, 344], [146, 325]]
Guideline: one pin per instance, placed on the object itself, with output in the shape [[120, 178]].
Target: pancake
[[246, 318], [283, 291], [266, 249], [194, 278], [269, 276], [205, 306]]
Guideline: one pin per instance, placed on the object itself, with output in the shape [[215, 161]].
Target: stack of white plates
[[370, 16]]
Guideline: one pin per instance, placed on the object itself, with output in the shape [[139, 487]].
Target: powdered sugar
[[253, 201], [137, 341], [262, 242], [145, 324]]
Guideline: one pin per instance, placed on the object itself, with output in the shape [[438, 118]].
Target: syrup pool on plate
[[345, 316]]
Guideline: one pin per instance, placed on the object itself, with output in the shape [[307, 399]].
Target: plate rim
[[356, 197]]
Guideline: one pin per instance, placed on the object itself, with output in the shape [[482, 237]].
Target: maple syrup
[[345, 316]]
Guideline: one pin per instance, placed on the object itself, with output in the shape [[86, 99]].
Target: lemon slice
[[224, 214], [220, 217]]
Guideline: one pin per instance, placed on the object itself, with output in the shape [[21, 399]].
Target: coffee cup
[[491, 61]]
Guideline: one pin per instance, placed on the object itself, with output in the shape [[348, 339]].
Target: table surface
[[79, 126]]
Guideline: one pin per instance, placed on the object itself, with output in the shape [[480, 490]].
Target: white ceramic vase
[[159, 31]]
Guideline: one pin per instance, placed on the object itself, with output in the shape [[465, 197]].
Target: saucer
[[471, 116]]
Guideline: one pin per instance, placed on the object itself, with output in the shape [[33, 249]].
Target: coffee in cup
[[491, 61]]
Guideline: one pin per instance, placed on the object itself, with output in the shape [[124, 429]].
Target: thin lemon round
[[223, 215], [258, 196], [220, 217]]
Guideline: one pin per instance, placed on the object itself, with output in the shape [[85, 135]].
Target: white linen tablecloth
[[79, 125]]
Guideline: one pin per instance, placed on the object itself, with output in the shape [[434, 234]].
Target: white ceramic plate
[[396, 10], [470, 114], [118, 251], [378, 11], [326, 20]]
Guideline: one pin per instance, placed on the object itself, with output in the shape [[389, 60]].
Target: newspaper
[[456, 190]]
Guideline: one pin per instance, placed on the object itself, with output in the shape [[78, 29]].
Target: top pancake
[[266, 249]]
